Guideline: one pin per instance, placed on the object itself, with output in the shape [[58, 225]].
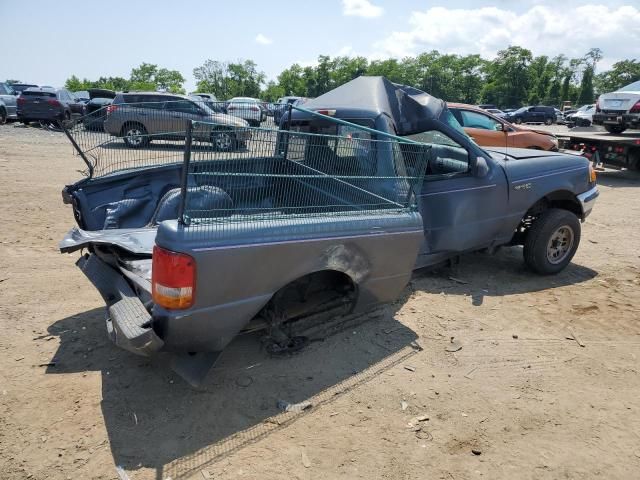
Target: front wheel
[[548, 121], [552, 241], [518, 120], [614, 128]]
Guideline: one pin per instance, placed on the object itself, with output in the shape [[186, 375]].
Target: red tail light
[[21, 100], [173, 279], [635, 108], [53, 102], [111, 109], [255, 109]]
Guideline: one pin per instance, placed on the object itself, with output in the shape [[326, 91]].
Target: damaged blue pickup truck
[[331, 212]]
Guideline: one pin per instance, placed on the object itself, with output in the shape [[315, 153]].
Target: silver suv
[[139, 117]]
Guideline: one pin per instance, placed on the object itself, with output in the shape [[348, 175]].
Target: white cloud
[[263, 40], [361, 8], [542, 29]]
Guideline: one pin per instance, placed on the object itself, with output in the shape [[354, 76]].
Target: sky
[[45, 42]]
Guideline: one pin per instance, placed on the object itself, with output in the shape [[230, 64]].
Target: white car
[[250, 109], [619, 110], [584, 116]]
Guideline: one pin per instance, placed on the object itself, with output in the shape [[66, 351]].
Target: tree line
[[515, 77]]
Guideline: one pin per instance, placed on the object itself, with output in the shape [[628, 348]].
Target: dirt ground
[[388, 401]]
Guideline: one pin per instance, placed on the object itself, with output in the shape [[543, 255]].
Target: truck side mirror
[[482, 167], [500, 127]]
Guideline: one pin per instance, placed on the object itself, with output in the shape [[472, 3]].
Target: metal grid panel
[[287, 173]]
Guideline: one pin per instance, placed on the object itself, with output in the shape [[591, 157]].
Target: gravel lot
[[388, 400]]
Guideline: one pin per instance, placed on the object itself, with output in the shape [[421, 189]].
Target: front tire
[[135, 135], [614, 128], [552, 241], [518, 120], [548, 121], [3, 116]]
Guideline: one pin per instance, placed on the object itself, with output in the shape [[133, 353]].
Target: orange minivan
[[488, 130]]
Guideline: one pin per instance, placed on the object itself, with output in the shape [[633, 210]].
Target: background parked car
[[82, 95], [136, 116], [247, 108], [9, 103], [96, 108], [582, 117], [537, 114], [489, 130], [619, 110], [278, 114], [210, 101], [281, 106], [48, 105], [559, 116], [20, 87], [496, 111]]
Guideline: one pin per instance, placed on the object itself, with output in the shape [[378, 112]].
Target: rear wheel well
[[562, 199], [328, 291]]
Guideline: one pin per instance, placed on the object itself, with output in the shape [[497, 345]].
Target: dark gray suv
[[139, 117]]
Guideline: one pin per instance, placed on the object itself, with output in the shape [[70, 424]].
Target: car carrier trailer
[[618, 150]]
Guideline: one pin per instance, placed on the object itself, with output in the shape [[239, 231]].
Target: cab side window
[[477, 120], [446, 156]]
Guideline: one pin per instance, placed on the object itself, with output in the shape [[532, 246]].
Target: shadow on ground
[[481, 275], [619, 178], [155, 420]]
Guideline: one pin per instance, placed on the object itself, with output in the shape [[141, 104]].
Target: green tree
[[291, 81], [149, 77], [226, 80], [508, 77], [587, 94], [622, 73]]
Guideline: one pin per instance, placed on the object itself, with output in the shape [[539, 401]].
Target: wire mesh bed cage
[[233, 173]]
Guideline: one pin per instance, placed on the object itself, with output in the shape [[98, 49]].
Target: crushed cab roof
[[407, 106]]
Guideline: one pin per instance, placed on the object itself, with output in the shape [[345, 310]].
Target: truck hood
[[523, 163]]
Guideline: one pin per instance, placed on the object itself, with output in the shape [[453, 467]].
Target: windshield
[[632, 87], [521, 110]]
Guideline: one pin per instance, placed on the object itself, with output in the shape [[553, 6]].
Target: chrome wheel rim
[[134, 136], [560, 244], [222, 141]]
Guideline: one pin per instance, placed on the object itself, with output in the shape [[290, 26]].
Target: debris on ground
[[244, 381], [476, 452], [575, 337], [410, 368], [453, 345], [404, 405], [457, 280], [305, 460], [293, 407]]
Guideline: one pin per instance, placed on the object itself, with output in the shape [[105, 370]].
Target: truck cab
[[472, 198]]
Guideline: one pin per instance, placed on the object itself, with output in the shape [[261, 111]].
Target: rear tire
[[3, 116], [518, 120], [552, 241], [135, 135], [614, 128], [223, 141], [548, 121]]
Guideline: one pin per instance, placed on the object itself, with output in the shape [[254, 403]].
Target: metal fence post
[[185, 173]]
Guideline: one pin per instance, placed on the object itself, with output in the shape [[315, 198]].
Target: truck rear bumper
[[587, 200], [128, 322]]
